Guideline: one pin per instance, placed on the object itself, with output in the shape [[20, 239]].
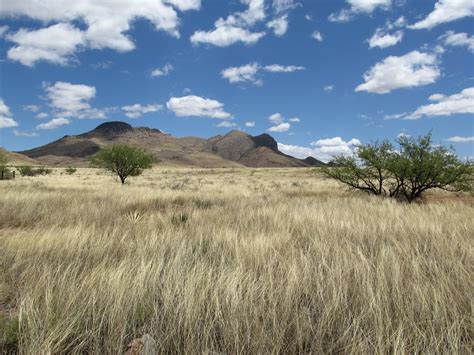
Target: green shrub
[[9, 331], [70, 170], [25, 170]]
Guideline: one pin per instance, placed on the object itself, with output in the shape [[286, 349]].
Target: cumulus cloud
[[250, 72], [295, 120], [317, 36], [357, 7], [244, 73], [282, 127], [458, 139], [137, 110], [460, 103], [226, 124], [3, 30], [42, 115], [411, 70], [446, 11], [106, 25], [250, 124], [279, 25], [383, 39], [54, 123], [18, 133], [6, 120], [72, 100], [31, 108], [328, 88], [55, 44], [235, 28], [450, 38], [276, 118], [164, 71], [276, 68], [196, 106], [323, 149]]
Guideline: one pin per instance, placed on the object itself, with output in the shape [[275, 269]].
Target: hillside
[[231, 150]]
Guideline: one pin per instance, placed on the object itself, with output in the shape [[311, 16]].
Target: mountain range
[[234, 149]]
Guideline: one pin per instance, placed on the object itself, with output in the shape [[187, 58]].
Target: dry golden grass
[[231, 261]]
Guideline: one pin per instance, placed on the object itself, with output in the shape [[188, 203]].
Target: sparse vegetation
[[122, 160], [3, 164], [404, 173], [231, 268], [26, 170], [70, 170]]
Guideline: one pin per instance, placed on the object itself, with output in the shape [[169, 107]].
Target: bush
[[29, 171], [70, 170], [25, 170], [406, 173]]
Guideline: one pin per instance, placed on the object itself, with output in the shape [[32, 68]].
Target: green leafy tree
[[70, 170], [420, 166], [406, 173], [122, 160], [366, 170]]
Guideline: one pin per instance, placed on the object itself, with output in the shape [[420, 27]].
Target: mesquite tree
[[122, 160], [404, 173]]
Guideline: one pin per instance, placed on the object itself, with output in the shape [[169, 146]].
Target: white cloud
[[276, 68], [226, 124], [42, 115], [317, 36], [106, 24], [6, 120], [250, 124], [436, 97], [249, 72], [328, 88], [281, 6], [282, 127], [368, 5], [276, 118], [279, 25], [69, 97], [72, 100], [395, 116], [323, 149], [382, 39], [244, 73], [192, 105], [55, 44], [137, 110], [411, 70], [235, 28], [359, 6], [295, 120], [164, 71], [461, 103], [458, 139], [18, 133], [185, 5], [450, 38], [446, 11], [31, 108], [54, 123], [3, 30], [224, 36]]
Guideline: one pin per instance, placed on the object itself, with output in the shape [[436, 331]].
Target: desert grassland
[[231, 261]]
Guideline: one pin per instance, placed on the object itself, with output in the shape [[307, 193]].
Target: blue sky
[[318, 75]]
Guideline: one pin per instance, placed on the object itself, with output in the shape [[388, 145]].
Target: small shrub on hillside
[[70, 170], [25, 170], [180, 218]]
